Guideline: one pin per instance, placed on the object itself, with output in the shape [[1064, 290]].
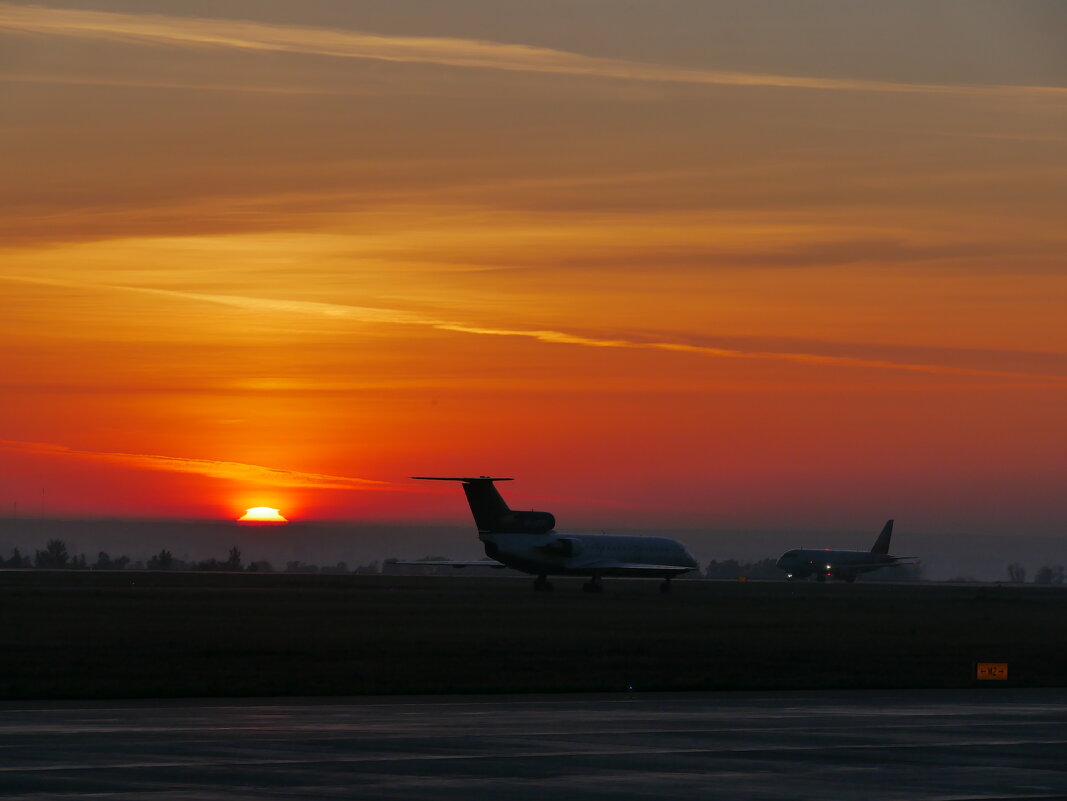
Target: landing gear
[[820, 577], [593, 585], [665, 587], [542, 584]]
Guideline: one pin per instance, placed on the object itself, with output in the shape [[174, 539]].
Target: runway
[[947, 745]]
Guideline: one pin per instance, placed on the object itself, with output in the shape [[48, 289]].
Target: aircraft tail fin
[[881, 545], [491, 513]]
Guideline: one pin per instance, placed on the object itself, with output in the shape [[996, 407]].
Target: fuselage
[[559, 554], [528, 541]]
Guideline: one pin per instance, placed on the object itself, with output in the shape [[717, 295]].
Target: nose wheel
[[542, 584], [593, 585]]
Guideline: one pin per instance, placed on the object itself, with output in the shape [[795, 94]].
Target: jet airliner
[[528, 541], [826, 563]]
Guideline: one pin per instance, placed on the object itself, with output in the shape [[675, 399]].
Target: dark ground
[[127, 635]]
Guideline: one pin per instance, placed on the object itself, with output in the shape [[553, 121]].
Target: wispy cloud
[[395, 316], [368, 314], [559, 337], [149, 83], [363, 314], [452, 52], [229, 471]]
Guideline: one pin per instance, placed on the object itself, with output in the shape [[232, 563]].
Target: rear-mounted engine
[[562, 546], [525, 523]]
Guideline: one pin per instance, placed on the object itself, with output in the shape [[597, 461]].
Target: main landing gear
[[593, 585], [665, 587], [542, 584]]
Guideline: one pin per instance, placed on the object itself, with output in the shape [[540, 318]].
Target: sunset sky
[[682, 263]]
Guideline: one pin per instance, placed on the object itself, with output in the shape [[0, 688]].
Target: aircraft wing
[[633, 566], [449, 563], [863, 565]]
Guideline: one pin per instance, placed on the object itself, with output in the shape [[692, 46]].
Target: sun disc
[[262, 514]]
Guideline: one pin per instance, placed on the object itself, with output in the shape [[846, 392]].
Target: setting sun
[[262, 514]]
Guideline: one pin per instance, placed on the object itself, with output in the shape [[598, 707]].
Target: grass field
[[125, 634]]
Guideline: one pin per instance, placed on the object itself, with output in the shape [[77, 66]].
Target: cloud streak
[[367, 314], [452, 52], [227, 471], [559, 337], [377, 315]]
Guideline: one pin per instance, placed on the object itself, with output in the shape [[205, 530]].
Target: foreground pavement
[[953, 744]]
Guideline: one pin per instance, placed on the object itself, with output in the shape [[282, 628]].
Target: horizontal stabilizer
[[459, 478]]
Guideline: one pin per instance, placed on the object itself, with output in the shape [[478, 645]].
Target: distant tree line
[[733, 569], [56, 557], [1046, 574], [765, 569]]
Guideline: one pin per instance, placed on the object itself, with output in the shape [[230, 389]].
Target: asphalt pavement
[[995, 743]]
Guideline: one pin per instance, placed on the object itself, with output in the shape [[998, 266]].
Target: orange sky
[[687, 263]]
